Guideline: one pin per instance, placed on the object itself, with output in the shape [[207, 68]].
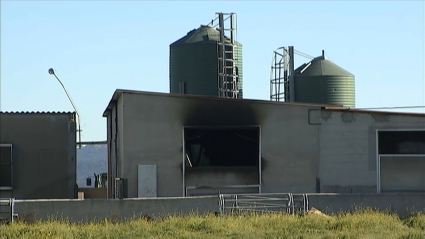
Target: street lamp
[[52, 72]]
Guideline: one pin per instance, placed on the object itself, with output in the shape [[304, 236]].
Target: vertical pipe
[[378, 163], [271, 77], [285, 75], [291, 75], [218, 71], [280, 80], [222, 56], [232, 38], [109, 145], [274, 79], [184, 164], [259, 160], [116, 144]]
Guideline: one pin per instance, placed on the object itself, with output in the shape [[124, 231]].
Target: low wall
[[401, 203], [115, 209]]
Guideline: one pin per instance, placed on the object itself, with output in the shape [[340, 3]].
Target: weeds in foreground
[[366, 223]]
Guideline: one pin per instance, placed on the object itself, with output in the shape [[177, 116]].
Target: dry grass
[[366, 223]]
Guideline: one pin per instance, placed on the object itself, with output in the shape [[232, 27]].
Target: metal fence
[[282, 202], [7, 210]]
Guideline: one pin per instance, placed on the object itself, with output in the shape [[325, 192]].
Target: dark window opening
[[228, 147], [5, 166], [401, 142]]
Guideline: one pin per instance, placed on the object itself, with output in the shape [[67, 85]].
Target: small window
[[5, 166]]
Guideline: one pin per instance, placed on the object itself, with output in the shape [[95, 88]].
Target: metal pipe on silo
[[291, 75]]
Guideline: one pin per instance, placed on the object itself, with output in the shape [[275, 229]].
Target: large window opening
[[221, 160], [401, 161], [222, 147], [401, 142]]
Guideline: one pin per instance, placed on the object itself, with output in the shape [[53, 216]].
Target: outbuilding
[[166, 145], [38, 155]]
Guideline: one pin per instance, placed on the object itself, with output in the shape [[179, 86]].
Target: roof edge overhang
[[39, 112], [118, 92], [365, 111]]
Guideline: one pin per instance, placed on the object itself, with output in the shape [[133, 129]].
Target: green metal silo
[[194, 63], [322, 81]]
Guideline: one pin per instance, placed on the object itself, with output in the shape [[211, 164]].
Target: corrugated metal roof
[[37, 112]]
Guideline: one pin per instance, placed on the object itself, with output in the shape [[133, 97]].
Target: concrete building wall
[[304, 148], [348, 155], [44, 154], [290, 148], [153, 135]]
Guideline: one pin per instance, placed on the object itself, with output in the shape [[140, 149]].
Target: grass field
[[361, 224]]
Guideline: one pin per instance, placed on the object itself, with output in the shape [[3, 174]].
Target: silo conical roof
[[204, 34], [322, 81], [322, 67]]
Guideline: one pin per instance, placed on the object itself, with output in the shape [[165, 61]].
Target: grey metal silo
[[322, 81], [194, 63]]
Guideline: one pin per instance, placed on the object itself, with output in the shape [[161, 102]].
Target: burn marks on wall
[[220, 113]]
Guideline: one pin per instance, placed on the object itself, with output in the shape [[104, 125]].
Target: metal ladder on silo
[[228, 78]]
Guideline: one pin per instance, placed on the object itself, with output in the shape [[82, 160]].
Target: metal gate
[[273, 202]]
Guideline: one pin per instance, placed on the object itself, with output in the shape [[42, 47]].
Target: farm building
[[169, 145], [38, 155]]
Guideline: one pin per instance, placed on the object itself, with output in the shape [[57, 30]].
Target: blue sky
[[97, 47]]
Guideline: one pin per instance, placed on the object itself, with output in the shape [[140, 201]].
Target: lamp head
[[51, 71]]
